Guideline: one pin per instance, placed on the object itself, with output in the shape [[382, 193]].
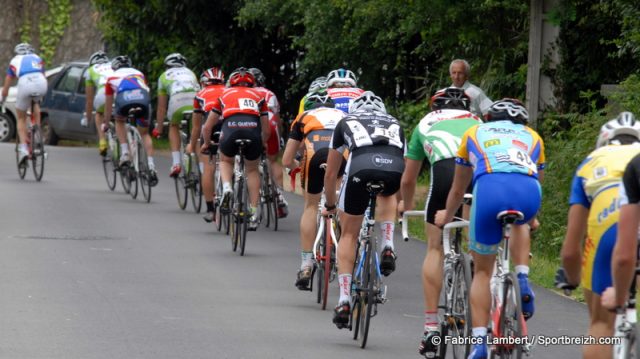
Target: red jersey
[[271, 100], [343, 96], [240, 100], [207, 97]]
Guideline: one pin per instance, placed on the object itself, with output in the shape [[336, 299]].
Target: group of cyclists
[[343, 138]]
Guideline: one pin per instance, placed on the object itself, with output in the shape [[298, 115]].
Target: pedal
[[382, 295]]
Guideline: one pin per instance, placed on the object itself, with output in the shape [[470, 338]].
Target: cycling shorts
[[129, 99], [28, 85], [371, 163], [312, 176], [273, 143], [178, 103], [215, 137], [241, 126], [99, 100], [596, 261], [440, 182], [494, 193]]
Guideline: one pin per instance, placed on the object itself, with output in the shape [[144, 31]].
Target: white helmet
[[23, 49], [341, 76], [624, 124], [368, 101], [175, 60]]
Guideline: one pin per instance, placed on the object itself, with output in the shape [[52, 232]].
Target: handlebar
[[405, 222]]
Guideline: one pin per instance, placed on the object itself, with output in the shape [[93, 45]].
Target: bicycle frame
[[321, 228], [625, 326], [366, 235]]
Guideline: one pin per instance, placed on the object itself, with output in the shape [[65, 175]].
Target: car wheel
[[7, 128], [50, 137]]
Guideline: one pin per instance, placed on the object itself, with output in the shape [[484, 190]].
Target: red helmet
[[212, 76], [241, 75]]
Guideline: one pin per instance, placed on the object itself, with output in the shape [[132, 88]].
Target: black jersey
[[363, 129], [630, 189]]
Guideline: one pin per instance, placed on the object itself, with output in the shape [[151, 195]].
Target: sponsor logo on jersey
[[489, 143], [520, 144], [501, 130], [133, 95], [380, 161]]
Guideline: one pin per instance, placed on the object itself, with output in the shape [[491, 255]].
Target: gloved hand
[[561, 282], [155, 133]]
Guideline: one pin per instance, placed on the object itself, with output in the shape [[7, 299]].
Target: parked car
[[8, 118]]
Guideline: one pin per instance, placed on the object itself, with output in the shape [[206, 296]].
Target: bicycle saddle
[[136, 112], [243, 142], [375, 186], [510, 216]]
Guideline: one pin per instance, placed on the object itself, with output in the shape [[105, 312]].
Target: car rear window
[[70, 80]]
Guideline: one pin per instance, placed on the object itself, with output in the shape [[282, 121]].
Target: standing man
[[459, 71]]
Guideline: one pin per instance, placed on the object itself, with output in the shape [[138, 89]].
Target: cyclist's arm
[[461, 179], [8, 79], [196, 123], [288, 158], [212, 120], [90, 92], [334, 160], [571, 252], [409, 179], [161, 112], [625, 251], [266, 129]]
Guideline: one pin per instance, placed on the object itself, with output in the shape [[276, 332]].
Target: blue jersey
[[25, 64]]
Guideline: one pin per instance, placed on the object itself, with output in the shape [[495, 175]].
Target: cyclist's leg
[[178, 103], [307, 236], [23, 103], [98, 105], [601, 324]]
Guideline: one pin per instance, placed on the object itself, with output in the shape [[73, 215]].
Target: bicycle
[[506, 318], [367, 290], [628, 346], [269, 198], [188, 181], [35, 145], [138, 171], [222, 217], [239, 210]]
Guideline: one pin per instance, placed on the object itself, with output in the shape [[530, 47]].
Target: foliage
[[628, 97], [52, 26]]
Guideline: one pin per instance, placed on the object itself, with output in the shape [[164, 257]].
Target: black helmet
[[508, 109], [98, 57], [451, 98], [260, 79], [121, 61]]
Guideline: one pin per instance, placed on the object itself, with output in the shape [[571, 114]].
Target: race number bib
[[521, 158], [392, 134], [248, 104]]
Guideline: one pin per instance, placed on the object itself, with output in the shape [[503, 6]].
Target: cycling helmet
[[259, 76], [319, 83], [241, 75], [341, 78], [212, 76], [98, 57], [23, 49], [368, 101], [175, 60], [121, 61], [450, 98], [318, 99], [508, 109], [624, 124]]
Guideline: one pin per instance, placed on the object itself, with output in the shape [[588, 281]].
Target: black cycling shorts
[[241, 127], [129, 99], [215, 138], [313, 176], [372, 163]]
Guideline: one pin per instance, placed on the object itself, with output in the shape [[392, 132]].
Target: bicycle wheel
[[181, 188], [459, 324], [108, 164], [265, 194], [326, 270], [245, 216], [510, 321], [273, 205], [143, 172], [37, 152], [195, 182], [319, 262], [354, 323], [235, 218], [133, 180], [22, 168]]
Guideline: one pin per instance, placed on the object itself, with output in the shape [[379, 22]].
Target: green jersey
[[438, 135], [97, 75], [177, 80]]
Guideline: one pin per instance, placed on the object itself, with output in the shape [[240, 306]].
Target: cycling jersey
[[97, 76], [273, 142], [315, 128], [630, 191], [130, 89], [596, 187], [25, 64], [343, 96], [240, 100], [125, 79], [177, 80], [438, 135], [205, 98], [501, 146]]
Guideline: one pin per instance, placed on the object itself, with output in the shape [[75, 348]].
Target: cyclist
[[314, 128], [212, 82], [28, 68], [127, 88], [505, 159], [594, 211], [376, 146], [320, 83], [244, 111], [436, 138], [273, 143], [342, 87], [95, 79], [177, 87]]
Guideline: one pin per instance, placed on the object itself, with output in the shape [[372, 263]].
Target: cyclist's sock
[[522, 269], [479, 331], [23, 148], [209, 206], [201, 165], [307, 259], [430, 321], [226, 187], [387, 229], [151, 164], [175, 155], [344, 281], [124, 149]]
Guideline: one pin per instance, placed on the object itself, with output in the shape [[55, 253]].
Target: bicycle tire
[[326, 270], [37, 152], [216, 198], [356, 311], [367, 300], [510, 321], [228, 215], [22, 169], [144, 173], [133, 175], [181, 189], [108, 164], [265, 195], [460, 308], [319, 266], [196, 184], [273, 205], [245, 216]]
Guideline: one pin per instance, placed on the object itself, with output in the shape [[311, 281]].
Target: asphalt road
[[89, 273]]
